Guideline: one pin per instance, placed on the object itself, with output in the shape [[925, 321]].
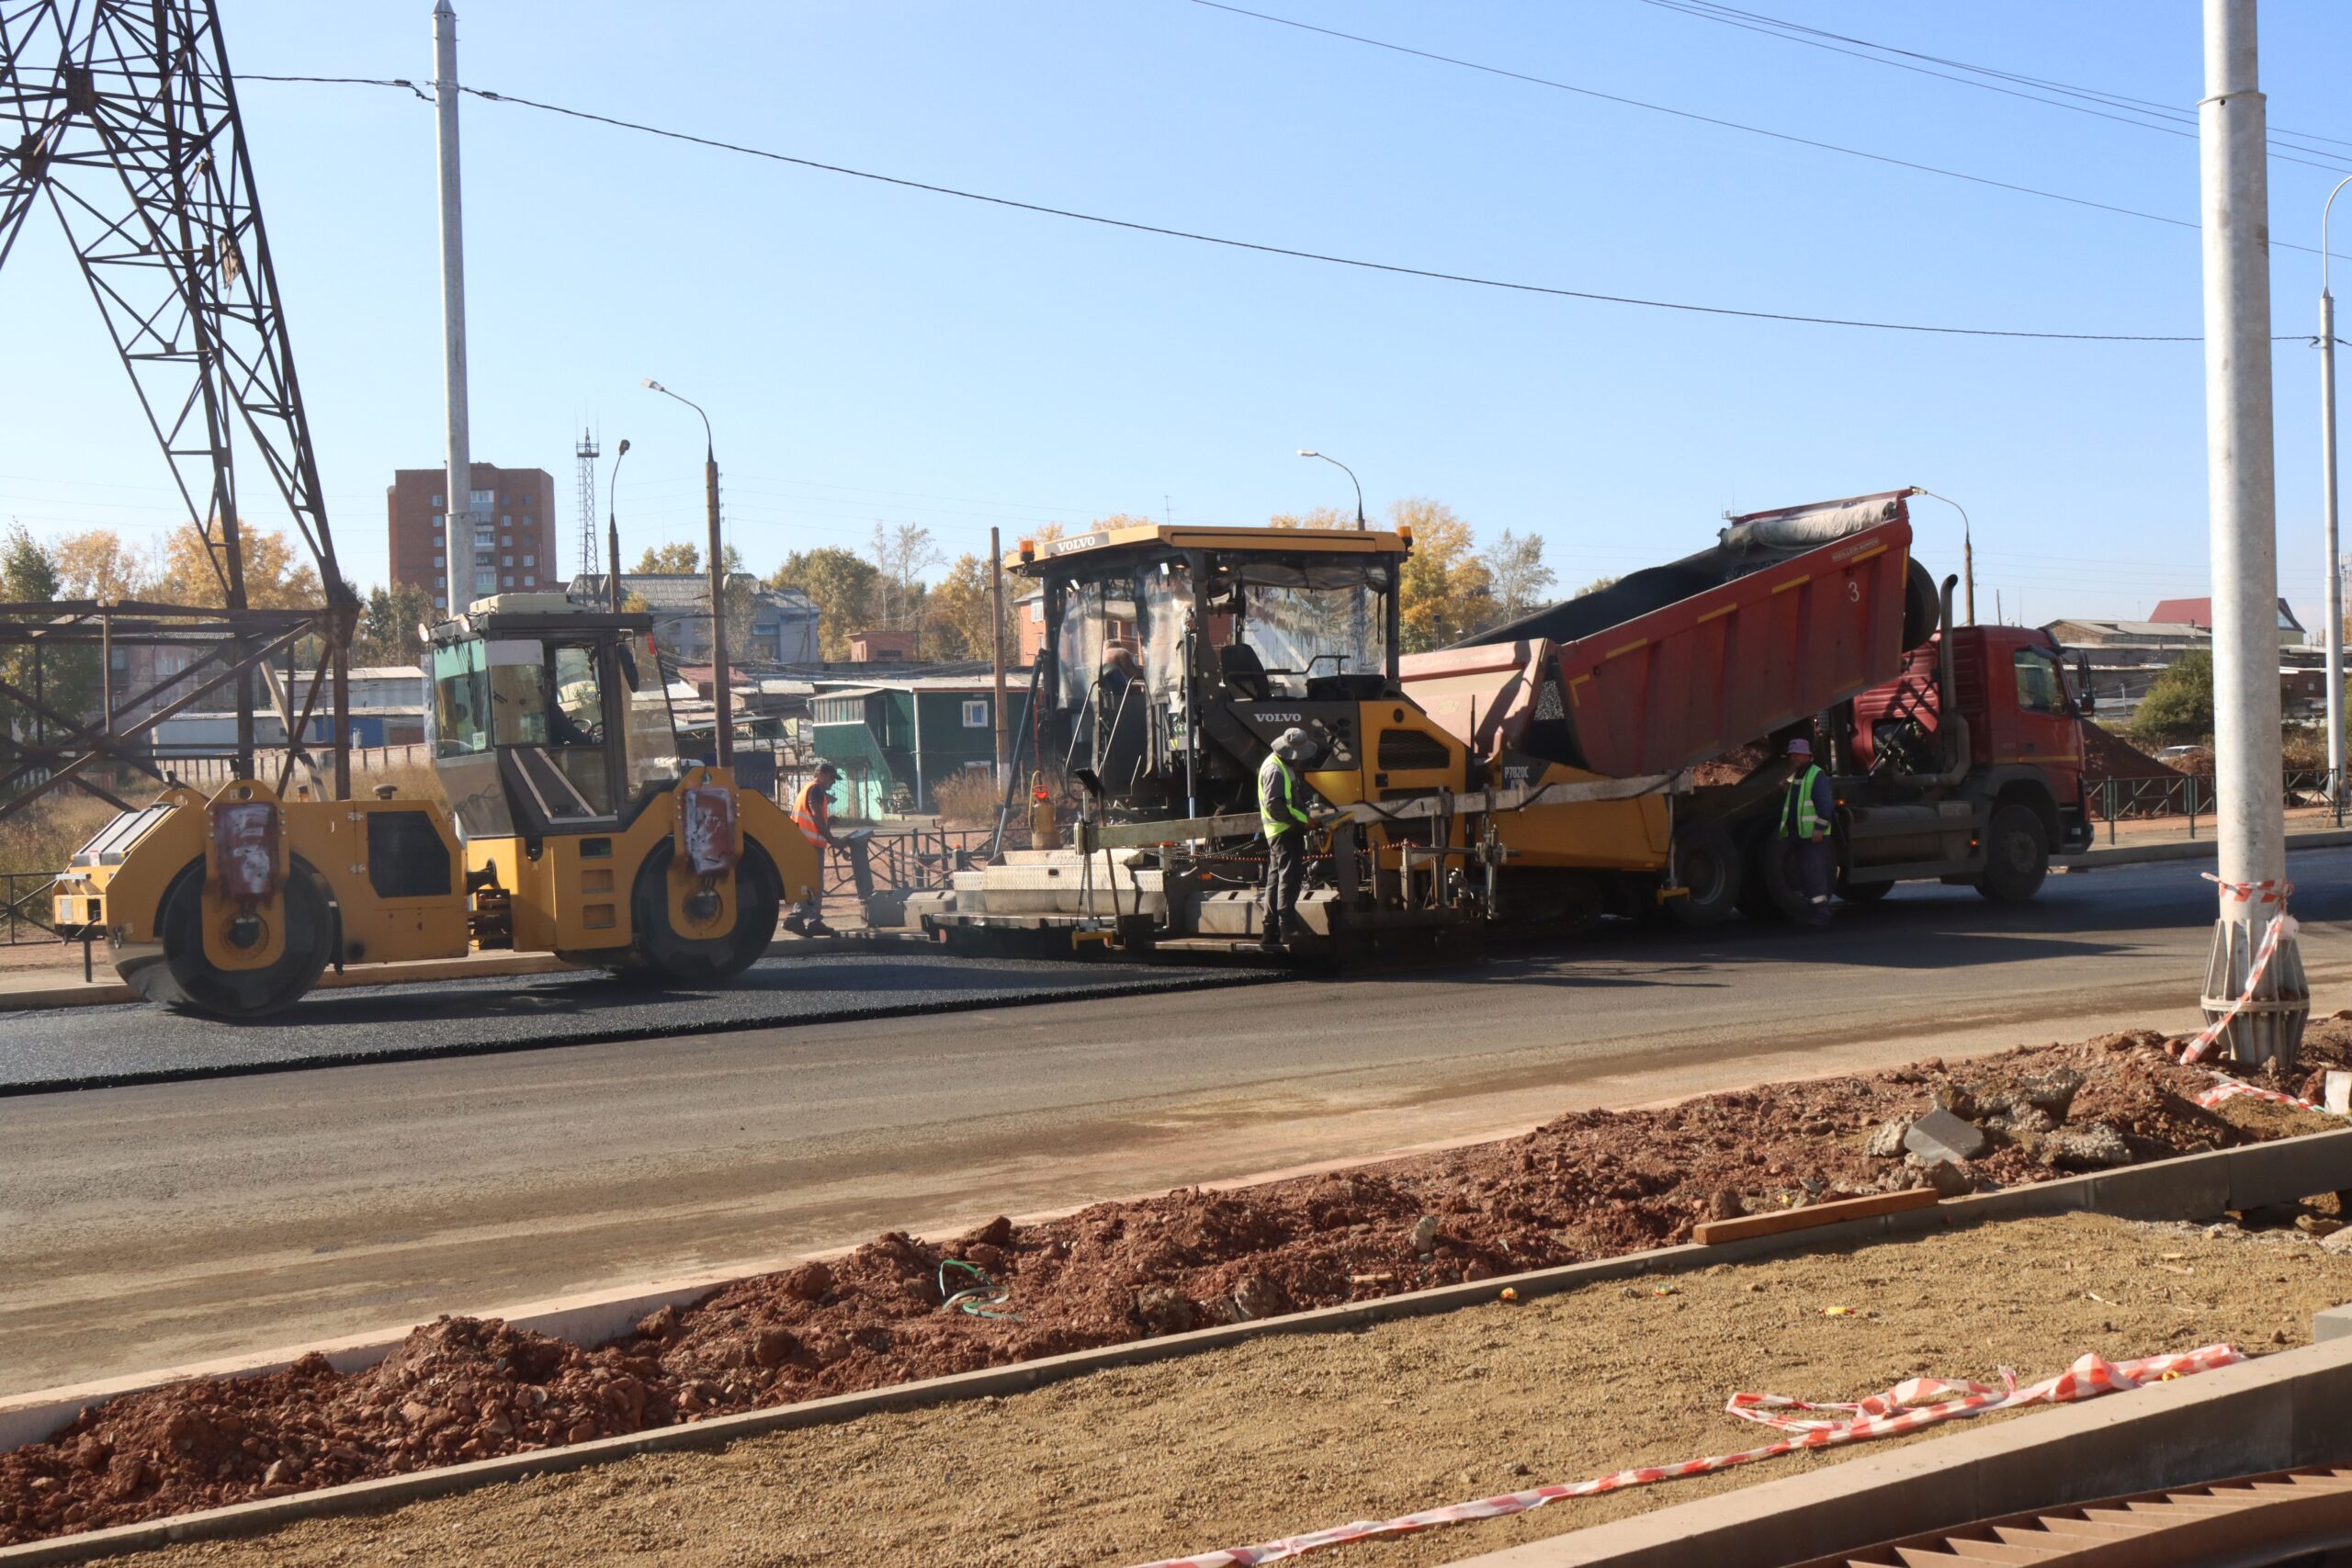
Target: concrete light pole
[[457, 518], [1310, 452], [2234, 199], [2334, 639], [722, 709]]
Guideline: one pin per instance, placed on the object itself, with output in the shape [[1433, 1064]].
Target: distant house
[[879, 646], [2199, 612], [387, 709], [894, 741], [784, 620]]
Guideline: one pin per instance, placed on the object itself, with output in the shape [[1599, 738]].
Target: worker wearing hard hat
[[1807, 813], [812, 811], [1282, 811]]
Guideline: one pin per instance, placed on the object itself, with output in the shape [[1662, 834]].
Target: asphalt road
[[99, 1047], [161, 1224]]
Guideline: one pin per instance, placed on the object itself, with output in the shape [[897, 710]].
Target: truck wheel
[[665, 956], [1708, 862], [180, 975], [1771, 892], [2017, 855]]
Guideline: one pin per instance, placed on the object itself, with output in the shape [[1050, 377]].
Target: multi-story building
[[514, 548]]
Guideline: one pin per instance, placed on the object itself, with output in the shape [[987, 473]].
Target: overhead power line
[[1715, 120], [1358, 263], [2143, 113]]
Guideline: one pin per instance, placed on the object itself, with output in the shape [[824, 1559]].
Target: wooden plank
[[1710, 1233]]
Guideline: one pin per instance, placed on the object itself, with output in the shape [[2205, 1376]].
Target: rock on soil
[[1590, 1184]]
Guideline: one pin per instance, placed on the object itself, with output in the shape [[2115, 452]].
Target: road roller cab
[[575, 827]]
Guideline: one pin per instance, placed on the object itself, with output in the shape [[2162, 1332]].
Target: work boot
[[1271, 941], [817, 928], [796, 924]]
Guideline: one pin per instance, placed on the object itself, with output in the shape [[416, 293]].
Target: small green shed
[[894, 741]]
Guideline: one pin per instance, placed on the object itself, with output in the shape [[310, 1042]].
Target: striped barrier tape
[[2270, 890], [2282, 925], [2227, 1088], [1907, 1407]]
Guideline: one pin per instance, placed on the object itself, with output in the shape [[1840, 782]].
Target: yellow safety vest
[[1278, 810], [1799, 805]]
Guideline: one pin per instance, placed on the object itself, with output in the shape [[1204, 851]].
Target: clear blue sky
[[870, 353]]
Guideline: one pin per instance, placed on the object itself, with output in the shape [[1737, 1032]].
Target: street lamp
[[2334, 639], [1310, 452], [1967, 550], [613, 532], [722, 710]]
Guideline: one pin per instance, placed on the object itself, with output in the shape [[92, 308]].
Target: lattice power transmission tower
[[120, 116], [587, 452]]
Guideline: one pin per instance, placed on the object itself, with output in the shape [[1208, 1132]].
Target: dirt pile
[[2108, 756], [1588, 1185], [1732, 766]]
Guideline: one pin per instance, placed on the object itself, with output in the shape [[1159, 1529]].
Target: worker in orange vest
[[812, 810]]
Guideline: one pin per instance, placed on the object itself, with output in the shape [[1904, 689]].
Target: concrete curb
[[2194, 1186], [2270, 1413], [421, 971], [2185, 849]]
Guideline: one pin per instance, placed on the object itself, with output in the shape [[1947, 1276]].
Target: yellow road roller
[[574, 828]]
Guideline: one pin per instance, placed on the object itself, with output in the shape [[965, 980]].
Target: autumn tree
[[275, 579], [1595, 586], [98, 565], [1448, 590], [1325, 518], [679, 556], [841, 583], [960, 612], [902, 553]]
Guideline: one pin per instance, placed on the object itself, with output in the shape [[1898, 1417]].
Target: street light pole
[[2335, 639], [2240, 483], [613, 532], [1967, 552], [458, 517], [722, 708], [1310, 452]]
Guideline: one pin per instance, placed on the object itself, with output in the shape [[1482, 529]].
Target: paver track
[[2244, 1523]]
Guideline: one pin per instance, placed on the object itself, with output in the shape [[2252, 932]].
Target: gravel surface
[[96, 1047], [1292, 1433]]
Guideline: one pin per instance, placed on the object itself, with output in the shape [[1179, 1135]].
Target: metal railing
[[29, 915], [2190, 795]]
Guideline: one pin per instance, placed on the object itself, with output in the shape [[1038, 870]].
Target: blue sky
[[875, 353]]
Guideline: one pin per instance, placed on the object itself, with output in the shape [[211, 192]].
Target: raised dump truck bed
[[1794, 612]]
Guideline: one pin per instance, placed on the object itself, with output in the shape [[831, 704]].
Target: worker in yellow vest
[[812, 811], [1281, 813], [1807, 813]]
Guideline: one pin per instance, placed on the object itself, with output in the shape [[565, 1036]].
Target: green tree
[[2180, 705], [389, 619], [68, 682], [1521, 583], [841, 583]]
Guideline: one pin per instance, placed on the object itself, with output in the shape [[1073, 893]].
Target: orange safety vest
[[812, 812]]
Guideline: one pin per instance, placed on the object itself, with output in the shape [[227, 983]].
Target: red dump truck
[[1956, 753]]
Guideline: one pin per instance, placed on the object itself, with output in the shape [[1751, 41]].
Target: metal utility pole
[[613, 532], [2234, 199], [459, 521], [996, 623], [722, 709], [2335, 639]]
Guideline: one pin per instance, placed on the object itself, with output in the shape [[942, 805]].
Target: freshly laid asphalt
[[101, 1047], [162, 1222]]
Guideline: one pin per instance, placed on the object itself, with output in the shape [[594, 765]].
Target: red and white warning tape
[[2282, 925], [1907, 1406]]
